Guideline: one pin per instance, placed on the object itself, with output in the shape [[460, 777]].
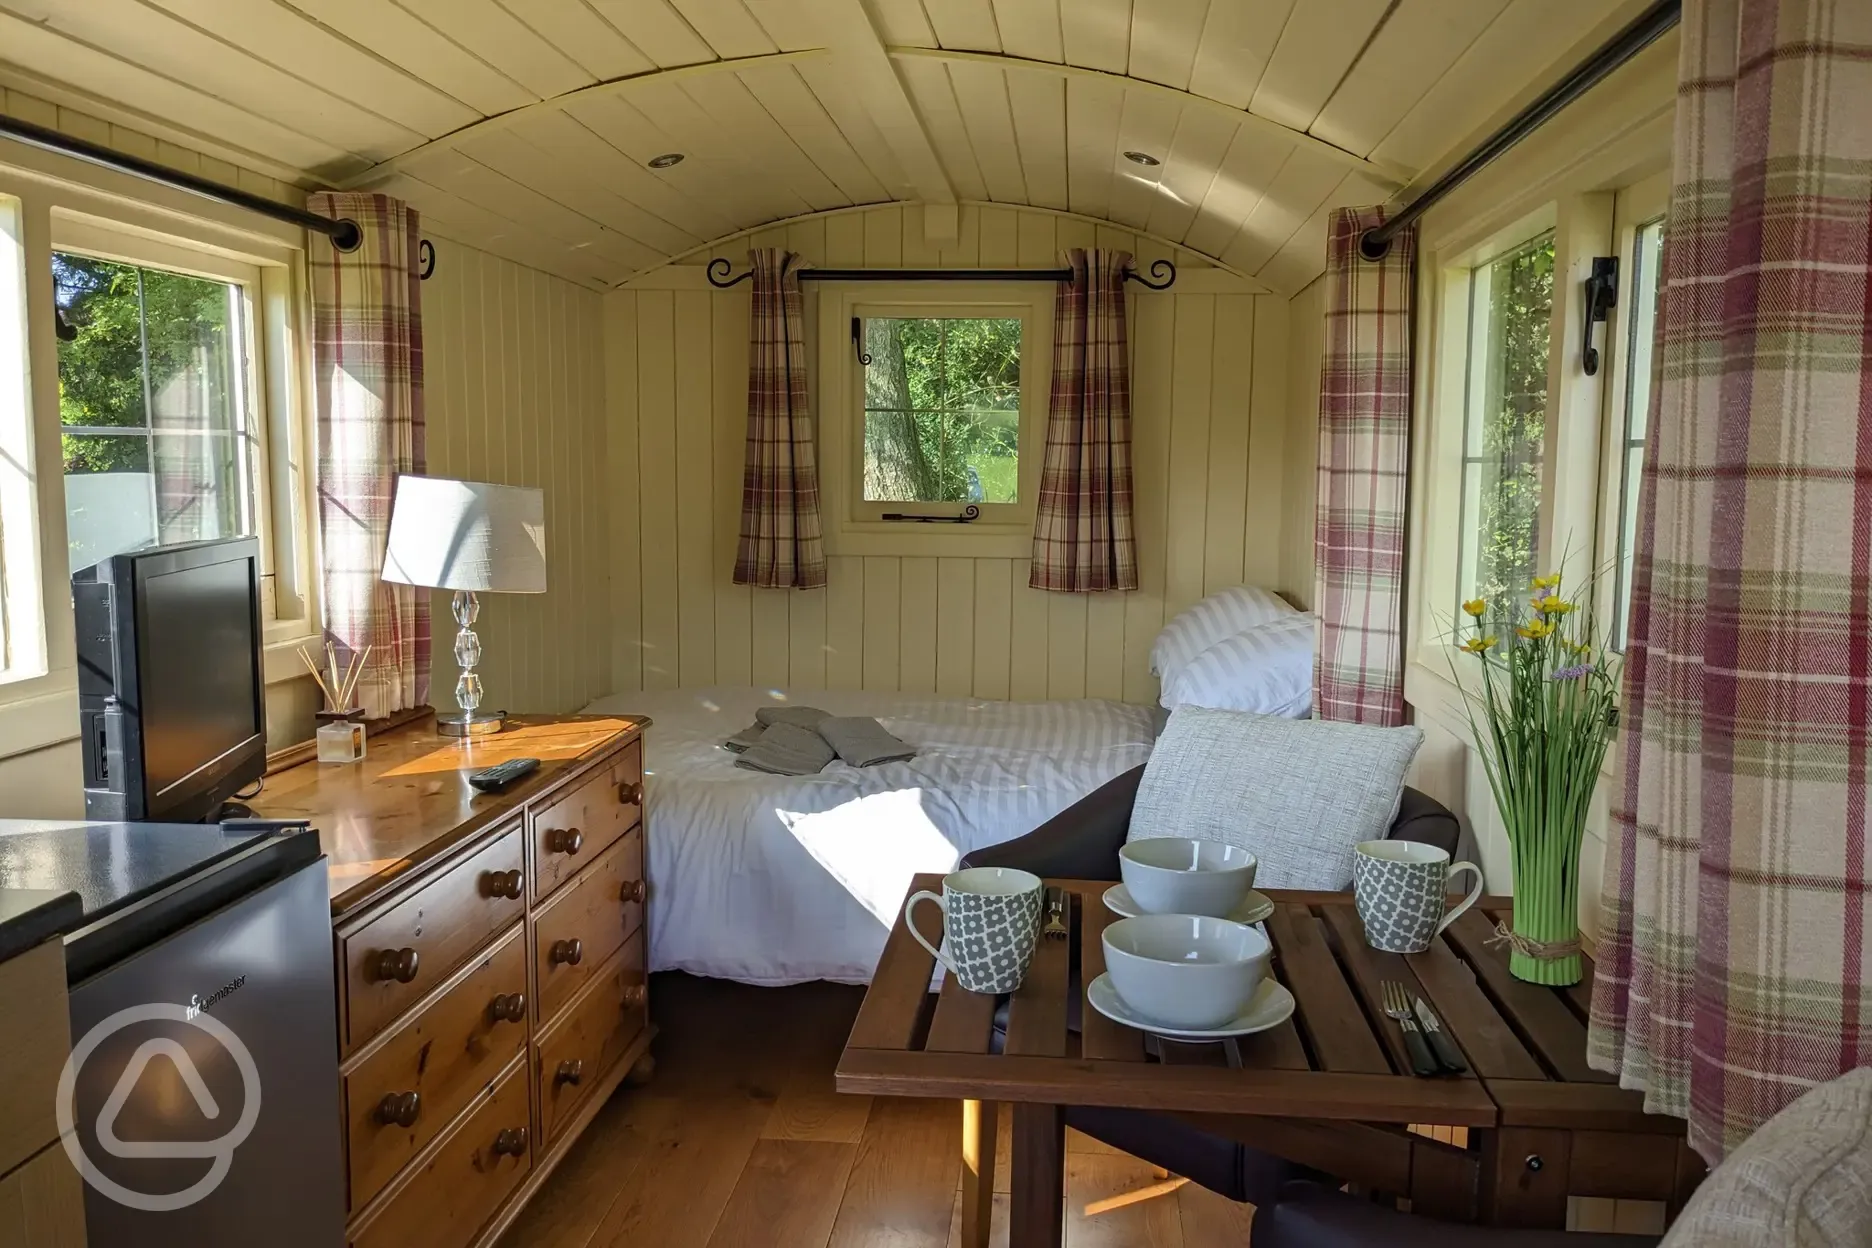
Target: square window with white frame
[[1510, 307], [159, 437], [934, 409]]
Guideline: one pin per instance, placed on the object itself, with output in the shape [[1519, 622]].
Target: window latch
[[1601, 298], [966, 515], [864, 357]]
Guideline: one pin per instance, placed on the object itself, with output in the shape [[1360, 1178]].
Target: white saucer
[[1253, 908], [1271, 1006]]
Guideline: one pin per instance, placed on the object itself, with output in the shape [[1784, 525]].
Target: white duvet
[[778, 879]]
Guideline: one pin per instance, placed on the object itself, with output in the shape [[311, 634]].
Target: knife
[[1447, 1054]]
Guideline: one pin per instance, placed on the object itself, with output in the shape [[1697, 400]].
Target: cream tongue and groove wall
[[1209, 376]]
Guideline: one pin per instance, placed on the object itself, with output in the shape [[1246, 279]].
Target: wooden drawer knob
[[570, 1072], [508, 1007], [633, 995], [634, 891], [565, 840], [397, 964], [504, 884], [571, 952], [511, 1143], [399, 1109], [630, 793]]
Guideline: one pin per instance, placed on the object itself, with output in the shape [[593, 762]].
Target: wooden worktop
[[376, 819]]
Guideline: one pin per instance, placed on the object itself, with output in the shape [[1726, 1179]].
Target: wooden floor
[[740, 1142]]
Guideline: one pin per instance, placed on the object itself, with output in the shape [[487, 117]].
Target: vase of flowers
[[1541, 710]]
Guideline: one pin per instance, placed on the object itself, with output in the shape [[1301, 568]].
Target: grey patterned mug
[[1402, 889], [991, 922]]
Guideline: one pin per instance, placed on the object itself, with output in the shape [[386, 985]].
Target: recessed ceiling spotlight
[[1142, 158], [669, 160]]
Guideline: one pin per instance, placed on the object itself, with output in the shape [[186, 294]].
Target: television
[[171, 692]]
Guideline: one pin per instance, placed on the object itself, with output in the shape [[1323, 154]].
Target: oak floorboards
[[740, 1139]]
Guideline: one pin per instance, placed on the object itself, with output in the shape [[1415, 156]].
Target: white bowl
[[1174, 875], [1187, 971]]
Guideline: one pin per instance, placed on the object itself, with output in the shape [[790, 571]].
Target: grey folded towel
[[787, 750], [862, 741], [743, 739], [802, 716]]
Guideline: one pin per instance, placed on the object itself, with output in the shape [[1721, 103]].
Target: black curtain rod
[[1644, 31], [719, 268], [343, 232]]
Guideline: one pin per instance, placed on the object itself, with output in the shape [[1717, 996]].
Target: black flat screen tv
[[171, 691]]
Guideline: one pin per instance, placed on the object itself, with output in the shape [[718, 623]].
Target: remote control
[[500, 775]]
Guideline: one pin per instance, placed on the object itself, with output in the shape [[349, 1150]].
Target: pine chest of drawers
[[490, 963]]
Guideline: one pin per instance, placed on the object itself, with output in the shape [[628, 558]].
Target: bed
[[779, 879]]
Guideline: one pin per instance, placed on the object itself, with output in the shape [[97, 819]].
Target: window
[[932, 403], [1505, 420], [159, 439], [1647, 264], [942, 409]]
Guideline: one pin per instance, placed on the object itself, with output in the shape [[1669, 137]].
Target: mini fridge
[[202, 1096]]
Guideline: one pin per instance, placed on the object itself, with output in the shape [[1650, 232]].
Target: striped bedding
[[779, 879]]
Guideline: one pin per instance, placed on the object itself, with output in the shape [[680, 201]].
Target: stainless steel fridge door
[[204, 1082]]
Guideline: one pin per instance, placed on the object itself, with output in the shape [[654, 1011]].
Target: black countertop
[[83, 879], [30, 916]]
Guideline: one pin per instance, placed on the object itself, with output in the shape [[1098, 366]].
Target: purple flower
[[1571, 673]]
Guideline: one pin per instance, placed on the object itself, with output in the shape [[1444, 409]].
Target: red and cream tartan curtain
[[1083, 540], [367, 363], [1364, 460], [1734, 926], [781, 547]]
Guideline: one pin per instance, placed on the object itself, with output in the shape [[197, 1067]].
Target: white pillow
[[1267, 670], [1298, 794], [1222, 614]]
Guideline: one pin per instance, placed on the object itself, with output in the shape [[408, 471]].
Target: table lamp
[[473, 538]]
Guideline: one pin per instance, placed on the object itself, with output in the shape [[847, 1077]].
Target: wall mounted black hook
[[1601, 298]]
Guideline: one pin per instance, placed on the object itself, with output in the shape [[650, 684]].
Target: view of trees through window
[[1511, 301], [151, 380], [942, 409]]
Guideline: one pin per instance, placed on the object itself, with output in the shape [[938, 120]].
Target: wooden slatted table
[[1329, 1088]]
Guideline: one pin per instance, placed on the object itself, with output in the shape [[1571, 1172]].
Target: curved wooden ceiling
[[526, 126]]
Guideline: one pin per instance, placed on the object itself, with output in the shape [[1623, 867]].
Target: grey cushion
[[1298, 794], [1803, 1179]]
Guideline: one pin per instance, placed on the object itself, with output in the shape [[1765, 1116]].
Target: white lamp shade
[[467, 535]]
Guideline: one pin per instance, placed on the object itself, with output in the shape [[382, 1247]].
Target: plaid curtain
[[367, 363], [1364, 459], [1082, 527], [1734, 952], [780, 543]]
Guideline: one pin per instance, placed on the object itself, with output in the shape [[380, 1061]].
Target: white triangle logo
[[126, 1087]]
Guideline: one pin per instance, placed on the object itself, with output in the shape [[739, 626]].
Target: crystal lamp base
[[471, 722]]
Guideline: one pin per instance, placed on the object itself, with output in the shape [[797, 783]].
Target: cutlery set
[[1431, 1050]]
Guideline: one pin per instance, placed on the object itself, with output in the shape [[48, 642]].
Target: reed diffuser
[[341, 738], [1541, 715]]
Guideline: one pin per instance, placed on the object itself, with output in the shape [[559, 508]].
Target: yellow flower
[[1547, 582], [1534, 630], [1478, 645], [1475, 607], [1553, 604]]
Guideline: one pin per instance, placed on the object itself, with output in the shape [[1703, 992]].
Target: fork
[[1397, 1007], [1056, 914]]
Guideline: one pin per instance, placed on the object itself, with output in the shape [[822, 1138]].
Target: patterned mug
[[1402, 888], [991, 922]]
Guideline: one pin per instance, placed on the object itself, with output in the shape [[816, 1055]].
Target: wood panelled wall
[[515, 395], [1306, 316], [1209, 378]]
